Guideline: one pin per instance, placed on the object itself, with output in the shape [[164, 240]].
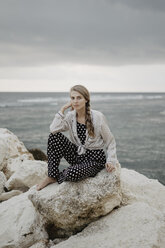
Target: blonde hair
[[83, 91]]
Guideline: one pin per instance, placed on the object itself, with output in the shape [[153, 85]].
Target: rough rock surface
[[42, 244], [10, 149], [28, 174], [133, 226], [138, 222], [137, 187], [122, 209], [72, 205], [7, 195], [2, 182], [20, 225]]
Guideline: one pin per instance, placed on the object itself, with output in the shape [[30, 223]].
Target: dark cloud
[[103, 32]]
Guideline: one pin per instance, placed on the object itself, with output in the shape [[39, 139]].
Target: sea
[[137, 121]]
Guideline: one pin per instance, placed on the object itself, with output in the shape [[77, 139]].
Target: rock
[[21, 226], [2, 182], [59, 240], [137, 187], [3, 151], [133, 226], [13, 165], [11, 148], [29, 173], [38, 154], [42, 244], [6, 196], [70, 206]]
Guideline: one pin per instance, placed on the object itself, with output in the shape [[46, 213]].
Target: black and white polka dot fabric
[[81, 166]]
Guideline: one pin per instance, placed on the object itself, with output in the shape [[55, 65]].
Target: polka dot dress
[[81, 166]]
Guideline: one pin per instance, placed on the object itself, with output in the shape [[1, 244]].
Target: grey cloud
[[91, 32], [150, 5]]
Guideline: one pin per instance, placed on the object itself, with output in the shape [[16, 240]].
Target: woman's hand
[[67, 105], [110, 167]]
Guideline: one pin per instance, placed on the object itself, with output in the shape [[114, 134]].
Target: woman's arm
[[109, 141], [60, 122]]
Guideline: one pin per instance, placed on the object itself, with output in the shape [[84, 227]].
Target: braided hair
[[83, 91]]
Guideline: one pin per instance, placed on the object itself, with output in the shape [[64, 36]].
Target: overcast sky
[[106, 45]]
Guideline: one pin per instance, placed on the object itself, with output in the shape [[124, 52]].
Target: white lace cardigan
[[104, 137]]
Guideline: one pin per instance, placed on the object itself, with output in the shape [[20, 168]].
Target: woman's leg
[[80, 171], [81, 166], [58, 146], [87, 165]]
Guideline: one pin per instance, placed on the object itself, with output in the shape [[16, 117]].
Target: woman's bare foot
[[47, 181]]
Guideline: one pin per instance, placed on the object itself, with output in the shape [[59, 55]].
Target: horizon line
[[89, 92]]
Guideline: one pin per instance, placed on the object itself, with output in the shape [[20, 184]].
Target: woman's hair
[[83, 91]]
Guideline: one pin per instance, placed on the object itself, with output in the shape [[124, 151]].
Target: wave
[[154, 97], [123, 97], [37, 100], [6, 105], [44, 100], [162, 113], [94, 97], [3, 105]]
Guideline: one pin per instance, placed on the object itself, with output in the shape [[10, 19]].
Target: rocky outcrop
[[29, 173], [70, 206], [137, 187], [138, 222], [21, 226], [10, 149], [120, 209], [20, 170], [132, 226]]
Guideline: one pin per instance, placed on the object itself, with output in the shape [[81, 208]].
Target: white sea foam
[[162, 113], [52, 100], [114, 97], [99, 97], [153, 97], [94, 97], [123, 97], [36, 100], [54, 103], [3, 105]]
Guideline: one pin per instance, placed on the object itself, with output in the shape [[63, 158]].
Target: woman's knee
[[70, 175], [54, 135]]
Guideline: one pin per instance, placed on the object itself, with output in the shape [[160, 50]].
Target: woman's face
[[77, 100]]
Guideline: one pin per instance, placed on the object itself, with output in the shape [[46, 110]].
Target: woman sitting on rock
[[89, 133]]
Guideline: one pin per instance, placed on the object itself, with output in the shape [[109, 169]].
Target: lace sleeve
[[60, 123], [109, 141]]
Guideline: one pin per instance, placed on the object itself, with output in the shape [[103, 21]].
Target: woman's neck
[[80, 113]]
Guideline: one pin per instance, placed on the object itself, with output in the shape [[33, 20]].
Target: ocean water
[[137, 121]]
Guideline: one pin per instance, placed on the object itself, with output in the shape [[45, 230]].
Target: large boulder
[[133, 226], [21, 226], [28, 174], [138, 222], [70, 206], [10, 149], [137, 187]]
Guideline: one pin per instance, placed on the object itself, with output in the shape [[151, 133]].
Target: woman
[[89, 133]]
